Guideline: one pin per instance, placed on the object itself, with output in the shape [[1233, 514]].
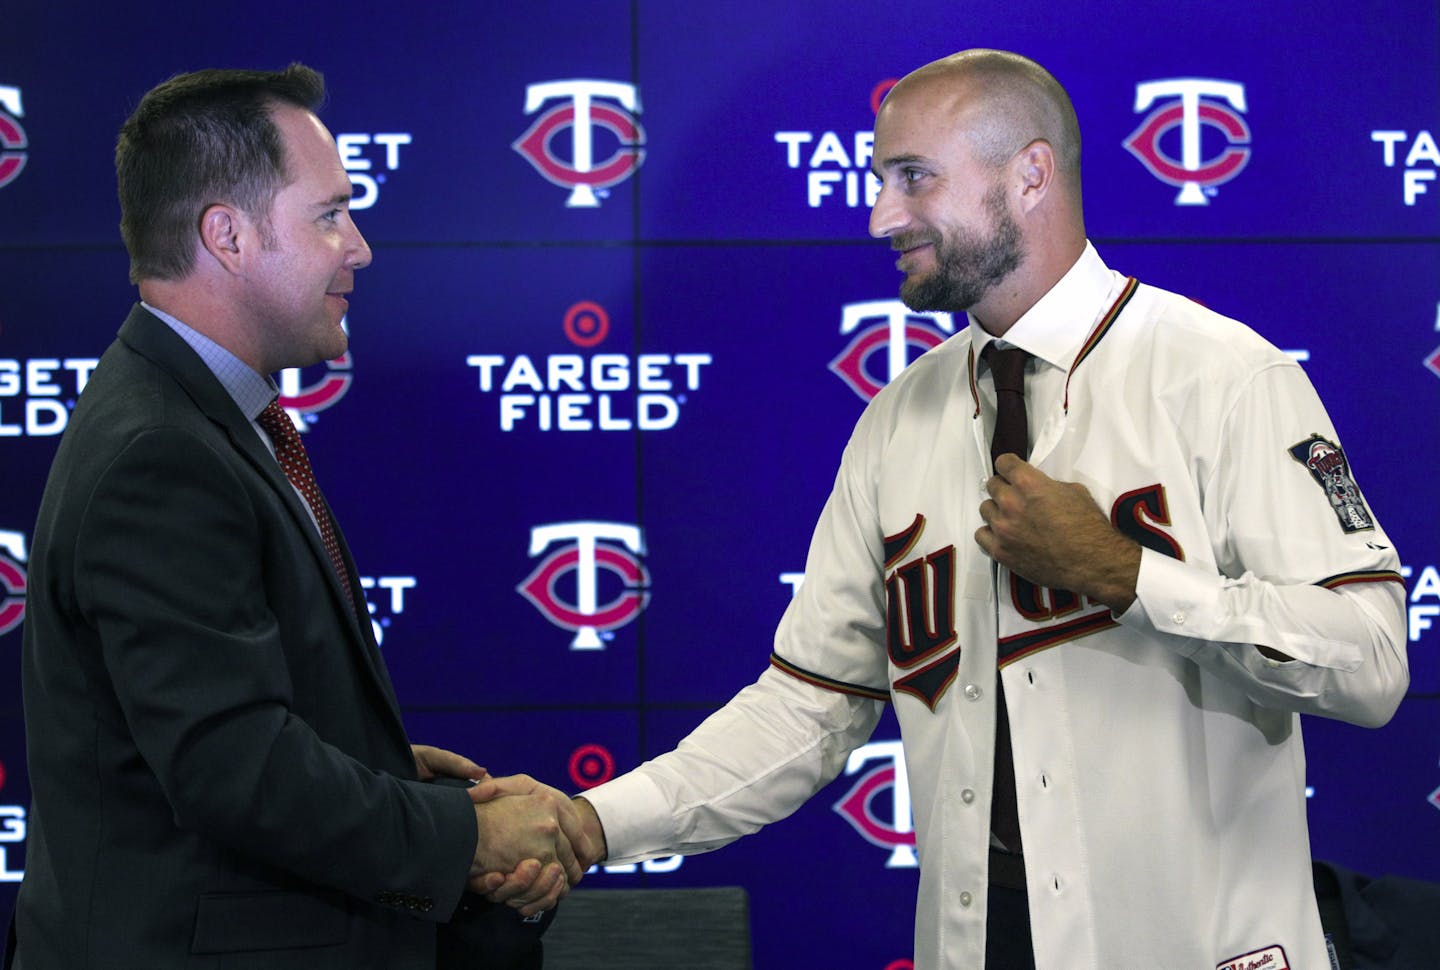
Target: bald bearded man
[[1132, 619]]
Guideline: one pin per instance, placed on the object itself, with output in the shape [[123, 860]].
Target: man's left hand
[[431, 763]]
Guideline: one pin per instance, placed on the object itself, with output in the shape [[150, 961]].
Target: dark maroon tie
[[290, 452], [1007, 370]]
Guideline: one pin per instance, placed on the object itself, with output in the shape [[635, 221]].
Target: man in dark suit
[[220, 773]]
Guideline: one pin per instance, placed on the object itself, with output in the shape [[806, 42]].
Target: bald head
[[978, 157], [1003, 102]]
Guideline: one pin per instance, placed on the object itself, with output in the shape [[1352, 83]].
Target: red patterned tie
[[1007, 370], [290, 452]]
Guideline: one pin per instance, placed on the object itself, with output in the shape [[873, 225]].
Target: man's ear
[[1035, 170], [221, 230]]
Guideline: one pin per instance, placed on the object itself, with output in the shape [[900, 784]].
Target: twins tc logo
[[897, 833], [1433, 360], [583, 114], [582, 554], [12, 137], [1196, 176], [898, 330], [12, 580]]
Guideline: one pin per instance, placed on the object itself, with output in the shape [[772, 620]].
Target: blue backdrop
[[623, 312]]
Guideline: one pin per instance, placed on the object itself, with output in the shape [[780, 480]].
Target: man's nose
[[886, 215]]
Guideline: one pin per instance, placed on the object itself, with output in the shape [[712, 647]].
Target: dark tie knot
[[1007, 367]]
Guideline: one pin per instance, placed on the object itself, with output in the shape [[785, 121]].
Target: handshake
[[535, 842]]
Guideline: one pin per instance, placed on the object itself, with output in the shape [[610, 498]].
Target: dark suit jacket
[[1378, 923], [220, 773]]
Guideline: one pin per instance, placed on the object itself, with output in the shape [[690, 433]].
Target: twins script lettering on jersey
[[921, 638]]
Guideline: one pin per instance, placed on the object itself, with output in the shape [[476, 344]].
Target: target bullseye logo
[[587, 324], [591, 765]]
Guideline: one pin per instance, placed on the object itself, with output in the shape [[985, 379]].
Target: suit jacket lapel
[[150, 337]]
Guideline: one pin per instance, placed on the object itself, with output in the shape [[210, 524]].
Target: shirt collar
[[250, 391], [1054, 329]]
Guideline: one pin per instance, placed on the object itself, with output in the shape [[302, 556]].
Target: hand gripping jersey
[[1159, 764]]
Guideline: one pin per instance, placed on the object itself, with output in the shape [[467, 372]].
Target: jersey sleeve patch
[[1328, 466]]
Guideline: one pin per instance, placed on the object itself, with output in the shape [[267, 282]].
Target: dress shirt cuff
[[636, 818], [1175, 598]]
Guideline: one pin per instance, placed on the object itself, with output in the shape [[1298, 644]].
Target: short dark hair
[[196, 140]]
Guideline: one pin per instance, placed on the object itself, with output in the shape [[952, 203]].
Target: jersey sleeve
[[786, 736], [833, 631], [754, 761], [1304, 567]]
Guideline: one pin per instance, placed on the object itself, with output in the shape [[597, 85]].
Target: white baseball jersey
[[1158, 759]]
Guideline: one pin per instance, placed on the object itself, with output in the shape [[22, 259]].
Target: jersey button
[[972, 691], [965, 899], [1179, 617], [967, 796]]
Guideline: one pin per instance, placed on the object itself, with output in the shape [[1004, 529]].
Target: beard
[[967, 264]]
